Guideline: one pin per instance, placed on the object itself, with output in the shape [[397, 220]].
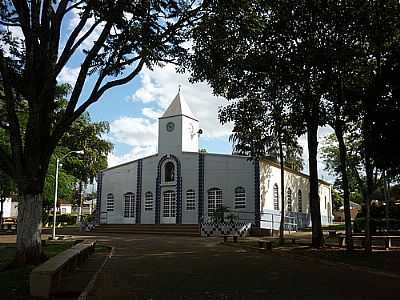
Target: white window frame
[[240, 197], [190, 200], [300, 201], [169, 204], [275, 196], [215, 200], [110, 202], [148, 201], [129, 205], [289, 200]]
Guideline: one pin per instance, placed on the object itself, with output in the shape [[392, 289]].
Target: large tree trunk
[[312, 140], [345, 186], [368, 192], [281, 227], [29, 227]]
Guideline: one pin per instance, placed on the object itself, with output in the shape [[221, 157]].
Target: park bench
[[8, 227], [386, 238], [45, 278]]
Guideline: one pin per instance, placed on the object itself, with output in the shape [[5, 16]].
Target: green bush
[[69, 219]]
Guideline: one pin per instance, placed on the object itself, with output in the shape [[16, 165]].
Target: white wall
[[228, 172], [149, 175], [65, 209], [169, 142], [118, 181], [190, 137], [270, 175], [190, 181]]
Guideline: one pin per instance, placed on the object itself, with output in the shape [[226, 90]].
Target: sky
[[132, 110]]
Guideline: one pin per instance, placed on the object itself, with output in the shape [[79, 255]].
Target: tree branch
[[85, 68], [70, 47], [15, 131], [95, 95]]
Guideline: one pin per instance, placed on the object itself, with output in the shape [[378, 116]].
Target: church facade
[[182, 185]]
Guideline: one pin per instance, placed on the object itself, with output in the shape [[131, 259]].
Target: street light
[[56, 189]]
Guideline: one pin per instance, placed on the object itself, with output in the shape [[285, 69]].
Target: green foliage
[[219, 214], [87, 136], [69, 219]]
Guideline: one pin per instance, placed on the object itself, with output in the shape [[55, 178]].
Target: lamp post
[[56, 189]]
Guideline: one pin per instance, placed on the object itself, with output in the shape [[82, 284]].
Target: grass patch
[[14, 282]]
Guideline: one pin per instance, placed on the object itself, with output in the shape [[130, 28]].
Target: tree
[[378, 33], [85, 135], [262, 129], [127, 36], [242, 46]]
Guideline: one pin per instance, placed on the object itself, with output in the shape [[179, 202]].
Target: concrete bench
[[386, 238], [267, 245], [8, 227], [332, 233], [45, 278]]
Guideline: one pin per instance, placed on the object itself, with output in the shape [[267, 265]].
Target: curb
[[90, 285]]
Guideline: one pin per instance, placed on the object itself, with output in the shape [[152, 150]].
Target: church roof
[[179, 107]]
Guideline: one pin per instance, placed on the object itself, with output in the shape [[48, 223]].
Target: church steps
[[167, 229]]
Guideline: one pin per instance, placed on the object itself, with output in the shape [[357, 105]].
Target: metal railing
[[290, 223]]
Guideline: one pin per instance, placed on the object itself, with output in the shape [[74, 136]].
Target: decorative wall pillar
[[139, 179], [201, 188]]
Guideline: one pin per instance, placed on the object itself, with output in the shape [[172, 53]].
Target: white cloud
[[135, 153], [74, 20], [68, 75], [151, 113], [134, 131], [160, 86]]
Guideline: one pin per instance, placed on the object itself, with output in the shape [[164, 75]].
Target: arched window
[[110, 202], [240, 197], [276, 197], [129, 208], [148, 201], [289, 199], [190, 200], [169, 171], [300, 201], [214, 200]]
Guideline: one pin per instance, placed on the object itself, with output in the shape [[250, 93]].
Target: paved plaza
[[163, 267]]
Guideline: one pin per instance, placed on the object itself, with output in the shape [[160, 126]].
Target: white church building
[[182, 185]]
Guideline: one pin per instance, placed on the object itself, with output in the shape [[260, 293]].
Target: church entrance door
[[169, 207]]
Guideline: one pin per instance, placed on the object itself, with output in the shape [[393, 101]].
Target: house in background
[[64, 207], [338, 214], [10, 209]]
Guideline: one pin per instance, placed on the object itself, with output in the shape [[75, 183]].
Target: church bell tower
[[178, 128]]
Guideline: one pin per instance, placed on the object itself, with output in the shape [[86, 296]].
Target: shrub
[[69, 219]]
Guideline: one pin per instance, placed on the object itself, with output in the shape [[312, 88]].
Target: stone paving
[[164, 267]]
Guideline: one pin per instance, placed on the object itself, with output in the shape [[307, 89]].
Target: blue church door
[[168, 213]]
